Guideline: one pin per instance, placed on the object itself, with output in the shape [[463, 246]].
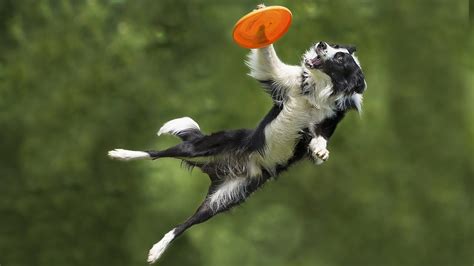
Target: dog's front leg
[[276, 77], [321, 133], [318, 149], [265, 65]]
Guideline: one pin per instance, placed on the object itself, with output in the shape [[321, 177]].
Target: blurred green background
[[78, 78]]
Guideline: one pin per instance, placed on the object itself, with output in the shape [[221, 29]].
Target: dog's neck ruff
[[317, 87]]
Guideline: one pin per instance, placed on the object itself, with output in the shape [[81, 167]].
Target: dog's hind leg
[[203, 213], [222, 195], [183, 150]]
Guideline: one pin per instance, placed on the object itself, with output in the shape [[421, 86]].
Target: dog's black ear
[[356, 82], [351, 49]]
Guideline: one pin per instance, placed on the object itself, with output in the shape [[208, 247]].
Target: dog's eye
[[338, 57]]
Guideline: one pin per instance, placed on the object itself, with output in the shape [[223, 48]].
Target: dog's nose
[[322, 45]]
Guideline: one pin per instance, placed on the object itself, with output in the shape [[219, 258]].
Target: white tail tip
[[178, 125], [127, 155]]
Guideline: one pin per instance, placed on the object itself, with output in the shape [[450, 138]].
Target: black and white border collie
[[308, 102]]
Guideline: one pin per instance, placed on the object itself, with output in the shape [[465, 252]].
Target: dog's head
[[339, 63]]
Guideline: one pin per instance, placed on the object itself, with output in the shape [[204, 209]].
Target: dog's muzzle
[[321, 46], [317, 62]]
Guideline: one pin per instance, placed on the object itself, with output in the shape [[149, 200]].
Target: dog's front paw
[[321, 156], [318, 149]]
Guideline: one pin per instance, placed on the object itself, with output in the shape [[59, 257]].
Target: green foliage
[[78, 78]]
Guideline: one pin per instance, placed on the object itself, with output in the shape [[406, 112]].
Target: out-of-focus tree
[[78, 78]]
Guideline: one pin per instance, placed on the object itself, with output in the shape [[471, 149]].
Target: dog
[[309, 101]]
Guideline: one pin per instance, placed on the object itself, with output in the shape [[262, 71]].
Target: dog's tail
[[185, 128]]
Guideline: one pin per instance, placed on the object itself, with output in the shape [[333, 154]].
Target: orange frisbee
[[262, 27]]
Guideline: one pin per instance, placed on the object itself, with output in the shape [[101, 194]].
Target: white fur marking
[[320, 95], [178, 125], [318, 146], [157, 250], [230, 191], [265, 65], [253, 167], [127, 155], [331, 51], [282, 134], [357, 99]]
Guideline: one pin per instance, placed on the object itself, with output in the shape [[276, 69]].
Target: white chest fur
[[282, 134], [299, 112]]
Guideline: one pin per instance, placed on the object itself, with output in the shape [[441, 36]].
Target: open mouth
[[316, 62]]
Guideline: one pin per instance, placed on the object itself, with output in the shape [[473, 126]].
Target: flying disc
[[262, 27]]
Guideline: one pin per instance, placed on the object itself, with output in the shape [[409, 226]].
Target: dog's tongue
[[316, 61]]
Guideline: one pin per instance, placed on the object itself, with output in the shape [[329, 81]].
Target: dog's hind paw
[[155, 253], [157, 250]]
